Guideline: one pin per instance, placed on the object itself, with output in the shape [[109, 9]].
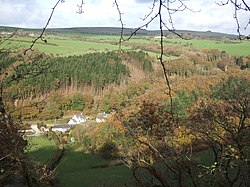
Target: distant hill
[[117, 31]]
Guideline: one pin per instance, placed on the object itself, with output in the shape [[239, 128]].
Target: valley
[[154, 134]]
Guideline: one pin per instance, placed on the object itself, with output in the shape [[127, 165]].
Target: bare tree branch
[[161, 59], [5, 157], [247, 24], [154, 149], [151, 11], [171, 7], [44, 29], [122, 24], [80, 8], [239, 6], [161, 24], [2, 41]]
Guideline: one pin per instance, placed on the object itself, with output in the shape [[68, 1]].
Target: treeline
[[205, 62], [96, 70]]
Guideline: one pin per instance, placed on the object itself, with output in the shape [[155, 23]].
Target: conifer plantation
[[93, 71]]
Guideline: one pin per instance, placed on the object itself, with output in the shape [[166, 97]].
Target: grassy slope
[[64, 46], [75, 167], [40, 149], [75, 170]]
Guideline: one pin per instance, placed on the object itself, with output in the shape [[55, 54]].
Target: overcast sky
[[100, 13]]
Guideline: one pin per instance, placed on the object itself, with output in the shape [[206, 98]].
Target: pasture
[[77, 168], [78, 44], [64, 46], [40, 149], [235, 48]]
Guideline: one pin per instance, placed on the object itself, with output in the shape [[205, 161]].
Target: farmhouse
[[61, 128], [36, 131], [77, 119]]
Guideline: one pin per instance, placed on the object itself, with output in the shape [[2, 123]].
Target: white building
[[61, 128], [35, 129], [77, 119]]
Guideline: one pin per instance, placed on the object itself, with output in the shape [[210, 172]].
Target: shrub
[[108, 151]]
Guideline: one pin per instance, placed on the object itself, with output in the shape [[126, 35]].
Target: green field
[[40, 149], [236, 48], [72, 44], [65, 46], [77, 168]]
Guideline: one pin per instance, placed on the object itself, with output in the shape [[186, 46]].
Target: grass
[[64, 46], [75, 168], [205, 157], [40, 149], [236, 48]]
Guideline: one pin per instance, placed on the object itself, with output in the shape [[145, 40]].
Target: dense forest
[[94, 71]]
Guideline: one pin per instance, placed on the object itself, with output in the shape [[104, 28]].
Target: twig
[[161, 59], [167, 4], [122, 24], [5, 157], [8, 38], [80, 8], [150, 13], [163, 4], [44, 29], [154, 149], [237, 21], [239, 5]]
